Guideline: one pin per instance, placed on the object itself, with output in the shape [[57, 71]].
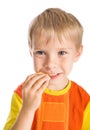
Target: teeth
[[53, 75], [58, 74]]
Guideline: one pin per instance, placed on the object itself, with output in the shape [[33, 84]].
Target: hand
[[32, 90]]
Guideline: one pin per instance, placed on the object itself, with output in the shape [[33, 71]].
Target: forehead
[[44, 38]]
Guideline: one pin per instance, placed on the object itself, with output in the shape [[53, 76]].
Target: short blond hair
[[58, 21]]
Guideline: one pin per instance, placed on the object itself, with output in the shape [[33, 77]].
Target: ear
[[30, 51], [78, 53]]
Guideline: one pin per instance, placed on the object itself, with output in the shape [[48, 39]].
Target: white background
[[15, 61]]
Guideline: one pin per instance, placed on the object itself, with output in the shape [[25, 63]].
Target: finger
[[27, 79], [30, 80], [32, 75], [38, 84], [42, 88]]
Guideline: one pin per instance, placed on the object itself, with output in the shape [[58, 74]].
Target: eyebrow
[[64, 48], [58, 49]]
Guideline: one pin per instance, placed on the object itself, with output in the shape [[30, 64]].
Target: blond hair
[[57, 21]]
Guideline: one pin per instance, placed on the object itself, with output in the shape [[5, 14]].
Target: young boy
[[47, 99]]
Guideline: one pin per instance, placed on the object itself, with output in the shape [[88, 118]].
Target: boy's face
[[54, 58]]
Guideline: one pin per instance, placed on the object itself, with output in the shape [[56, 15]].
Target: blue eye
[[40, 52], [62, 52]]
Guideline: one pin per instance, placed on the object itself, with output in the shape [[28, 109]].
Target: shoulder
[[78, 88], [18, 90], [79, 94]]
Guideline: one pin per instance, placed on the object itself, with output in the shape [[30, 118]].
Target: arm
[[24, 120], [32, 90], [16, 104], [86, 120]]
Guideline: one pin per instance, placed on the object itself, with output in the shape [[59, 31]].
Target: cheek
[[37, 64], [68, 64], [69, 67]]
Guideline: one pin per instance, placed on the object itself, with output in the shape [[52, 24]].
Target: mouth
[[54, 76]]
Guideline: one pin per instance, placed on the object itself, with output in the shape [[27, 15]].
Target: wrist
[[27, 112]]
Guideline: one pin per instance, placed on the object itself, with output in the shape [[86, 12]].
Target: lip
[[54, 76]]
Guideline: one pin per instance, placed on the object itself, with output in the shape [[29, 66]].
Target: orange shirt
[[62, 110], [67, 109]]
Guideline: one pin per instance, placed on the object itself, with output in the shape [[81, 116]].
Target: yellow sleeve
[[16, 104], [86, 120]]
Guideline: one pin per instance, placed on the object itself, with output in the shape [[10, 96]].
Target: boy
[[47, 99]]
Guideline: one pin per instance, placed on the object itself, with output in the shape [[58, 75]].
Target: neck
[[58, 86]]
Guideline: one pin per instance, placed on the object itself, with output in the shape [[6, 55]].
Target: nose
[[51, 63]]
